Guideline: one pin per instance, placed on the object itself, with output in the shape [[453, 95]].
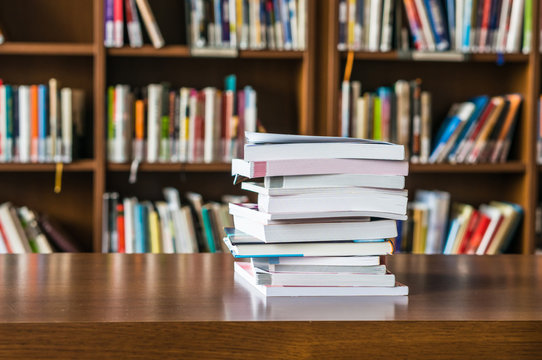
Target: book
[[260, 188], [252, 212], [57, 235], [333, 181], [263, 277], [332, 261], [150, 23], [383, 200], [255, 169], [366, 248], [337, 229], [247, 276], [332, 150]]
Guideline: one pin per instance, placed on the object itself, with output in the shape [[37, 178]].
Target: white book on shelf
[[154, 110], [375, 25], [24, 124], [53, 121], [495, 217], [66, 105], [302, 24], [426, 26], [316, 231], [120, 122], [133, 27], [503, 31], [13, 235], [192, 111], [515, 31], [387, 26], [292, 11], [209, 144]]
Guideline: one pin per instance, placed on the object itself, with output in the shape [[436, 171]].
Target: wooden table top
[[202, 287]]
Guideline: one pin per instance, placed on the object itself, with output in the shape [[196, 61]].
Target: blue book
[[208, 229], [450, 12], [218, 19], [452, 234], [139, 228], [449, 128], [435, 13], [494, 17], [467, 15], [9, 123], [480, 103], [286, 26], [399, 238], [43, 121]]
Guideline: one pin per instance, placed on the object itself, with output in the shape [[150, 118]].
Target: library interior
[[179, 178]]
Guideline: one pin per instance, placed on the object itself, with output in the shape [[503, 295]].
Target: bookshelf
[[64, 39], [450, 78]]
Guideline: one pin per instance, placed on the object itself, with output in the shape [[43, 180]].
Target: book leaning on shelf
[[41, 123], [254, 25], [161, 124], [24, 231], [430, 229], [170, 226], [124, 14], [466, 26]]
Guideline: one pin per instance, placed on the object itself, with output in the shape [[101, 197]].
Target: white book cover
[[154, 110], [332, 230], [345, 109], [247, 277], [375, 25], [67, 124], [334, 261], [334, 180], [119, 154], [502, 32], [273, 138], [24, 124], [292, 7], [383, 200], [515, 31], [165, 227], [301, 23], [150, 23], [260, 188], [332, 150], [209, 144], [250, 211], [338, 248]]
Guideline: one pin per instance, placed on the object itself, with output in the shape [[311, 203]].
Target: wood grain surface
[[140, 306]]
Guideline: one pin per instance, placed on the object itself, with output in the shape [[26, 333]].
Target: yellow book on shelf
[[465, 212], [154, 228]]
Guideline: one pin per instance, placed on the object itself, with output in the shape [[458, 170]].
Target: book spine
[[387, 26], [121, 229], [67, 124], [24, 124], [133, 25], [425, 136], [416, 119], [3, 123], [425, 25], [150, 23], [42, 123], [484, 28], [209, 96], [415, 26], [184, 94], [438, 25], [153, 121], [118, 25], [8, 146], [527, 26], [376, 22], [514, 31], [34, 123], [109, 38]]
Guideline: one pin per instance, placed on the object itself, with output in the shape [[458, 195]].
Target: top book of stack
[[286, 155]]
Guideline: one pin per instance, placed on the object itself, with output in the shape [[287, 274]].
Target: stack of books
[[326, 209]]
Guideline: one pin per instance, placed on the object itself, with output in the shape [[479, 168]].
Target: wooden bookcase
[[448, 82], [64, 39], [297, 92]]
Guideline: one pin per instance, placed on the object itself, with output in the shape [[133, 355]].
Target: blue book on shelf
[[435, 13], [286, 26], [9, 123], [480, 103], [450, 12], [218, 19], [452, 234], [467, 14], [43, 121], [208, 228], [139, 228]]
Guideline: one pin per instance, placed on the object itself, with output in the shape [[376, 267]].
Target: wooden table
[[176, 306]]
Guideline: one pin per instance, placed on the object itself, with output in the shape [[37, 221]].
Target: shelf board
[[510, 167], [183, 51], [29, 48], [174, 167], [436, 57], [77, 166]]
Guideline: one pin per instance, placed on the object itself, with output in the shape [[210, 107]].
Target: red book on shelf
[[471, 226], [120, 228], [477, 234], [34, 123]]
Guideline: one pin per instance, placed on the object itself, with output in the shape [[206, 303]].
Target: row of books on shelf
[[157, 123], [467, 26], [432, 229], [316, 231], [214, 24], [40, 123], [170, 226], [22, 230], [478, 130]]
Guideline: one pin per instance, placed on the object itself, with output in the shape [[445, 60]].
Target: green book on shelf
[[377, 120], [208, 228]]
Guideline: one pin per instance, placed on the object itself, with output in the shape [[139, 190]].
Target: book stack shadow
[[326, 211]]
